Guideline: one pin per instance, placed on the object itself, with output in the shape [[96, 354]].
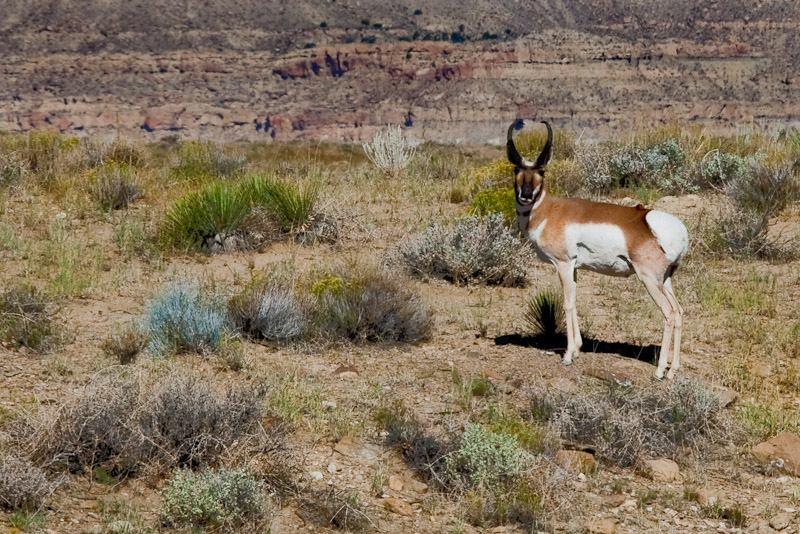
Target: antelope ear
[[513, 156], [547, 151]]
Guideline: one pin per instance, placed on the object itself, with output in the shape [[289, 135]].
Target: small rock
[[415, 485], [353, 446], [614, 500], [576, 461], [706, 497], [630, 503], [346, 371], [603, 526], [783, 451], [662, 470], [315, 475], [397, 506], [332, 468], [727, 397], [395, 483], [329, 405], [761, 369], [781, 521]]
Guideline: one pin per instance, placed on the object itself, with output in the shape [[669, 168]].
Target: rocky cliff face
[[295, 74]]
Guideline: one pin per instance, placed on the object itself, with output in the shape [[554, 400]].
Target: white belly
[[598, 247]]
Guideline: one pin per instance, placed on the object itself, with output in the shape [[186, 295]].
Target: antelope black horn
[[547, 151], [513, 155]]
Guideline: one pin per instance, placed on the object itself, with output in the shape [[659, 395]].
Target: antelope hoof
[[659, 374], [670, 374], [566, 361]]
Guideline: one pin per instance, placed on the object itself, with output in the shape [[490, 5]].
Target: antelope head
[[528, 177]]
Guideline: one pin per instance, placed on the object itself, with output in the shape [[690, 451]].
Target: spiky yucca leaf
[[545, 313], [219, 209], [290, 204]]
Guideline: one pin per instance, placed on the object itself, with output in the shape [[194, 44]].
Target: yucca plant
[[291, 205], [545, 313], [218, 210]]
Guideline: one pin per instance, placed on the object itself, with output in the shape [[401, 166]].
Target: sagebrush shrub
[[486, 458], [129, 423], [184, 317], [369, 302], [224, 498], [270, 308], [755, 197], [27, 316], [23, 485], [390, 151], [628, 424], [117, 151], [474, 249]]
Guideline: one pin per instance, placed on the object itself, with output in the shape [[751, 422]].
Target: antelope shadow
[[558, 343]]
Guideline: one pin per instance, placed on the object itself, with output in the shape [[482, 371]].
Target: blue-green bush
[[183, 317]]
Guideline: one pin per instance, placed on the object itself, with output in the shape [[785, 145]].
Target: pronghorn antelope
[[573, 233]]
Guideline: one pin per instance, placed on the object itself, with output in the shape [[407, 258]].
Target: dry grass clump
[[128, 423], [475, 249], [205, 160], [625, 425], [119, 151], [125, 344], [227, 500], [27, 317], [23, 486], [114, 187]]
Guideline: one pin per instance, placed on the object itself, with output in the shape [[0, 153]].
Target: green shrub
[[492, 201], [474, 250], [221, 498], [545, 313], [184, 317], [206, 217], [27, 317], [486, 458]]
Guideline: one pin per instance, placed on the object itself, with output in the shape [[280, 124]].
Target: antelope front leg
[[566, 273]]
